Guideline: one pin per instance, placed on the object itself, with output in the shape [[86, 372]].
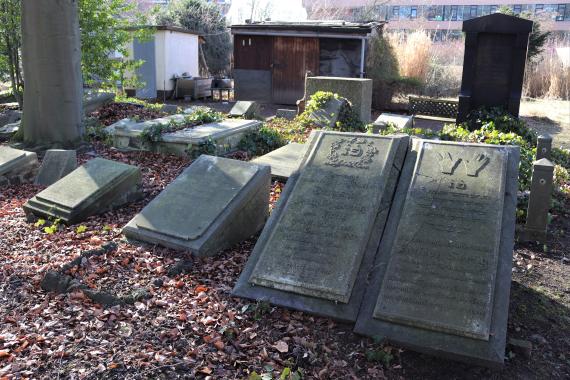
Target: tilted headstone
[[536, 226], [316, 249], [169, 108], [386, 119], [441, 280], [327, 116], [95, 187], [57, 163], [544, 146], [286, 114], [93, 100], [214, 204], [358, 92], [245, 109], [283, 161], [494, 62], [17, 166]]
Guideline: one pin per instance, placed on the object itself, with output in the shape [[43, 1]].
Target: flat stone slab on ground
[[286, 114], [17, 166], [225, 134], [95, 187], [319, 244], [442, 276], [399, 121], [283, 161], [214, 204], [57, 163]]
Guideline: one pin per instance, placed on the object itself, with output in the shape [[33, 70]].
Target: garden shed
[[270, 59], [169, 52]]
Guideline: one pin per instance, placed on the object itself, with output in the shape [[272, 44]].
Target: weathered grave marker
[[386, 119], [93, 188], [494, 62], [442, 277], [283, 161], [286, 114], [56, 164], [316, 250], [17, 166], [215, 203], [536, 226], [245, 109]]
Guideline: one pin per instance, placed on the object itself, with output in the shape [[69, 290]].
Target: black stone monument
[[494, 62]]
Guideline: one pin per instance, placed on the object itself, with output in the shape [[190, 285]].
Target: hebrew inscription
[[320, 237], [443, 263]]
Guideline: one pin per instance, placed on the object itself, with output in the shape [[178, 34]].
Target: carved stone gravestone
[[442, 277], [316, 249], [283, 161], [57, 163], [215, 203], [245, 109], [17, 166], [494, 62], [93, 188]]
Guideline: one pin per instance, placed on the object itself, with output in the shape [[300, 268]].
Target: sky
[[276, 10]]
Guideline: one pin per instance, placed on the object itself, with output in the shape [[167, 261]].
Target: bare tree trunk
[[51, 56]]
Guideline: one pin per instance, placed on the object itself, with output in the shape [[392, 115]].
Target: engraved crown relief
[[353, 153], [448, 164]]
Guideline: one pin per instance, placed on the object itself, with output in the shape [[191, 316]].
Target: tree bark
[[51, 57]]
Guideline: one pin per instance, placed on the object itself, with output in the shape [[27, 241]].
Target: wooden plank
[[252, 52], [292, 58]]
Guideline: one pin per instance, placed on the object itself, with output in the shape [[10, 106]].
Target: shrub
[[261, 142]]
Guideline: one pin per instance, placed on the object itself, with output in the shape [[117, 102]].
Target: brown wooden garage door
[[292, 57]]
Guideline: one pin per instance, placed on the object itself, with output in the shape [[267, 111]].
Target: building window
[[561, 12], [395, 13], [414, 12], [493, 9], [473, 11], [517, 9], [454, 13], [538, 8]]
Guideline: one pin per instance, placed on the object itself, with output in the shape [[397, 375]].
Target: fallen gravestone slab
[[10, 117], [398, 121], [8, 130], [96, 187], [283, 161], [245, 109], [17, 166], [286, 114], [441, 280], [327, 116], [93, 100], [57, 163], [319, 244], [215, 203]]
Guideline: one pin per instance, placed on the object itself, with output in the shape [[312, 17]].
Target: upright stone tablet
[[215, 203], [17, 166], [94, 188], [443, 272], [57, 164], [316, 250]]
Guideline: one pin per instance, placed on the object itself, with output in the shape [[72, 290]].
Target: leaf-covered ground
[[191, 327]]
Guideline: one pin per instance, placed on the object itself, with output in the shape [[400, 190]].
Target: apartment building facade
[[439, 16]]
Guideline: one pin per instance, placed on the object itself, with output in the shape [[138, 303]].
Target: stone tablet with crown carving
[[316, 250], [443, 270]]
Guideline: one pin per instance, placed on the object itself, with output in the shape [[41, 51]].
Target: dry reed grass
[[548, 77]]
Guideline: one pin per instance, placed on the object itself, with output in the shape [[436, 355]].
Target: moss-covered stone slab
[[57, 163], [224, 135], [283, 161], [17, 166], [316, 250], [95, 187], [358, 92], [442, 277], [215, 203]]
